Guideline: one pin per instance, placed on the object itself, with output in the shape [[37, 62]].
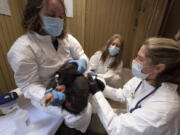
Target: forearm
[[108, 75], [114, 94], [105, 112]]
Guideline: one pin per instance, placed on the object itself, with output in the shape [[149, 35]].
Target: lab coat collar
[[168, 85], [147, 84], [146, 87]]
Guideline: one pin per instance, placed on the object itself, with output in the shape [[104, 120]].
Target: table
[[41, 123]]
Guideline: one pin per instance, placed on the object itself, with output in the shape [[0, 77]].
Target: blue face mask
[[53, 26], [113, 50], [136, 70]]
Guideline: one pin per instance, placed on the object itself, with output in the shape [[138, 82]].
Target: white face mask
[[136, 70]]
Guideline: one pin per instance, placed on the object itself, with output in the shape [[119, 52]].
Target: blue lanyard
[[137, 105]]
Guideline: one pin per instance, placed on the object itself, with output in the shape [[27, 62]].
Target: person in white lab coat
[[152, 96], [108, 62], [38, 54]]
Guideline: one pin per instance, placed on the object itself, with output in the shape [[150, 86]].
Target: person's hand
[[100, 84], [58, 98], [53, 97], [48, 98], [82, 65], [96, 85]]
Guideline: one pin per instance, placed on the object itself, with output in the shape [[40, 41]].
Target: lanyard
[[137, 105]]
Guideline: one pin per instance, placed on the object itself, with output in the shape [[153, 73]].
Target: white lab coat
[[34, 59], [158, 115], [112, 77]]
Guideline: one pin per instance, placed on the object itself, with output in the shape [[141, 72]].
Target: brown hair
[[165, 51], [32, 21], [118, 57]]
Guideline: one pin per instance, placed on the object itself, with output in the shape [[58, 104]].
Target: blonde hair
[[165, 51]]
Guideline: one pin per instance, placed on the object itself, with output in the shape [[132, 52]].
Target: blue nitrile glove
[[58, 98], [82, 65], [93, 73], [48, 90]]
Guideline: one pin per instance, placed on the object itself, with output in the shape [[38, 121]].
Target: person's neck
[[111, 56], [151, 79], [152, 82], [54, 38]]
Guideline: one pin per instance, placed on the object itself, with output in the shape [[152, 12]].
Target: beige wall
[[105, 18], [173, 21], [135, 20], [10, 29], [76, 25], [93, 23]]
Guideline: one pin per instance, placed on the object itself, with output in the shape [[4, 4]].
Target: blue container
[[8, 102]]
